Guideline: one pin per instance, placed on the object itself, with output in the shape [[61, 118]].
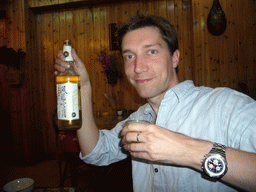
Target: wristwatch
[[214, 163]]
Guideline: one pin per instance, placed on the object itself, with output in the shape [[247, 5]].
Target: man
[[186, 121]]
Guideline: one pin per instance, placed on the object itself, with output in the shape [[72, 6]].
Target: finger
[[138, 137], [59, 69], [56, 73], [62, 63], [77, 60], [74, 55], [135, 147], [135, 127], [141, 155], [61, 55], [61, 66], [131, 137]]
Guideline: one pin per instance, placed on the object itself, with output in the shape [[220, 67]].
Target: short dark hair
[[167, 30]]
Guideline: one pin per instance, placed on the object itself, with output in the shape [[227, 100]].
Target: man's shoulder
[[187, 90], [222, 95]]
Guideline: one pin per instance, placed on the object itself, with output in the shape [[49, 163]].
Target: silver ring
[[138, 138]]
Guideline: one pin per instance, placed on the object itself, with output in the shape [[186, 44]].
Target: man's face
[[149, 65]]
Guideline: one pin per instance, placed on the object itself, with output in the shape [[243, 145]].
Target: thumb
[[75, 57]]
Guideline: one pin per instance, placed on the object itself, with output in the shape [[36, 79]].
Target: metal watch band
[[220, 149]]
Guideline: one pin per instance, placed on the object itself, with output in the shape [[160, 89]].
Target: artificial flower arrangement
[[110, 65]]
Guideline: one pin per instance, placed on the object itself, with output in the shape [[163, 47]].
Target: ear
[[176, 58]]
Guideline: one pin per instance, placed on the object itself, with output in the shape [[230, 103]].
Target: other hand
[[156, 144]]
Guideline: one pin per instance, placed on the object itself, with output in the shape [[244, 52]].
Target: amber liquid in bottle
[[74, 124], [69, 114]]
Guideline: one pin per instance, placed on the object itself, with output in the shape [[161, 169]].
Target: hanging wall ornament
[[216, 21]]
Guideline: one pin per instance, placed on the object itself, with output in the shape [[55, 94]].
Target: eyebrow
[[152, 45], [126, 51], [146, 46]]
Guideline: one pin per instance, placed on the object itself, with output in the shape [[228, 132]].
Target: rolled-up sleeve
[[108, 149]]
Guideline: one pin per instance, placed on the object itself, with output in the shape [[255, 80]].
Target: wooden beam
[[74, 5]]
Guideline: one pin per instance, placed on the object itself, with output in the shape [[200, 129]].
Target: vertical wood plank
[[197, 52], [186, 41], [179, 25], [57, 42], [206, 78], [63, 26], [3, 40]]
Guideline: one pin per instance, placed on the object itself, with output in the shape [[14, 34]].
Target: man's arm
[[241, 165], [242, 169], [160, 144], [88, 134]]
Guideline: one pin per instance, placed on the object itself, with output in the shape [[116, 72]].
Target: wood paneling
[[15, 17], [230, 58], [88, 30], [208, 60], [3, 40]]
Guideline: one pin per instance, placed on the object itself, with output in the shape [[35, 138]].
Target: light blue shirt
[[219, 115]]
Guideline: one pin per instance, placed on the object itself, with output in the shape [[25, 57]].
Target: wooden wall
[[227, 59], [208, 60], [16, 25], [88, 30], [2, 32]]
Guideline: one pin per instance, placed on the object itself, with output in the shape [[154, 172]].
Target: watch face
[[215, 165]]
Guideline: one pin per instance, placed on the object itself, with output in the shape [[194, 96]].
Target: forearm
[[241, 169], [88, 135], [241, 165]]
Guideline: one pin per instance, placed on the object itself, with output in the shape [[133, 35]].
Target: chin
[[144, 94]]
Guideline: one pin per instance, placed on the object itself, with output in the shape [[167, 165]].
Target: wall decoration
[[113, 42], [216, 21], [109, 63]]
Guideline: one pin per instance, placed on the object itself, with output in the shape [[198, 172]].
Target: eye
[[152, 52], [128, 57]]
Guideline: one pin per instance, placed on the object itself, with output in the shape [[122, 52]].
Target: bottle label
[[67, 53], [67, 101]]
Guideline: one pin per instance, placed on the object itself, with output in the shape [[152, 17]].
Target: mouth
[[141, 81]]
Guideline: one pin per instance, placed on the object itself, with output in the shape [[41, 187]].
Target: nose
[[140, 65]]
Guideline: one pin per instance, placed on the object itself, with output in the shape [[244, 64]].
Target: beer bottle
[[69, 114]]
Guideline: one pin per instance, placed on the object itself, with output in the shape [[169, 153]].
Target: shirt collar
[[148, 110], [179, 90]]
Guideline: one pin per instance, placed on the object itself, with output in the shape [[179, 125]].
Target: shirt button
[[156, 170]]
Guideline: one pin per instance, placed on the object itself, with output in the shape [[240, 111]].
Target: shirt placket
[[157, 181]]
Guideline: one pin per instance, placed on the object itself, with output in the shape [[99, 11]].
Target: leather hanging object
[[216, 21]]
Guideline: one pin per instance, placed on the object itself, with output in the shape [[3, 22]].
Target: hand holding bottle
[[61, 65], [87, 130]]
